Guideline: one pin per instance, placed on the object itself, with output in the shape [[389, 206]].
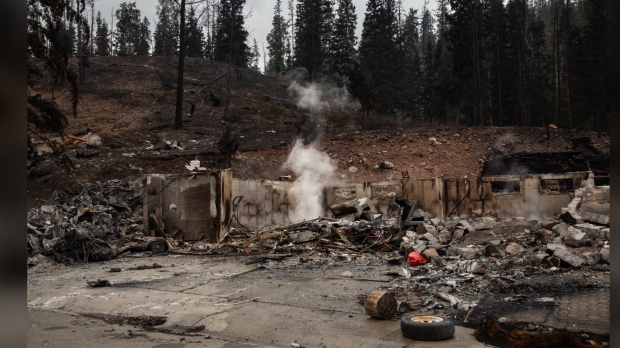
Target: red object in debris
[[415, 259]]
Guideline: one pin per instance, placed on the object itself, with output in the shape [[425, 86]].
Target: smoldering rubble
[[467, 259], [93, 224]]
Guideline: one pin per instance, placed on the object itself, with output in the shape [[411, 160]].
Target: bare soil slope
[[130, 102]]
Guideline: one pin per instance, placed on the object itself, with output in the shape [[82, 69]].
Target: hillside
[[129, 103]]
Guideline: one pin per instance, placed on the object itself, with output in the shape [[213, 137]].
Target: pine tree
[[102, 38], [313, 30], [231, 36], [195, 42], [143, 44], [128, 29], [167, 29], [344, 42], [255, 57], [380, 59], [276, 42], [464, 42], [594, 72], [412, 77]]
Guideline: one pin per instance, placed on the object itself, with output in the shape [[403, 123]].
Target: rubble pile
[[90, 225]]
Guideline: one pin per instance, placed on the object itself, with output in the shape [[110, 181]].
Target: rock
[[575, 237], [557, 240], [478, 268], [47, 209], [514, 249], [406, 248], [430, 238], [568, 218], [569, 257], [555, 246], [466, 225], [595, 218], [545, 235], [480, 237], [411, 234], [386, 165], [592, 231], [450, 224], [93, 140], [492, 251], [561, 229], [301, 237], [591, 257], [444, 237], [549, 225], [418, 213], [463, 250], [458, 233], [347, 274], [483, 225], [604, 254], [353, 169], [430, 254], [541, 257], [426, 228], [436, 222]]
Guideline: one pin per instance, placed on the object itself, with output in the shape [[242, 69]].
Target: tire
[[427, 327], [157, 247]]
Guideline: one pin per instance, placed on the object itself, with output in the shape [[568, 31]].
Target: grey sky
[[259, 24]]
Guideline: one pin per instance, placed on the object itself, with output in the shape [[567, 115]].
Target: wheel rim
[[426, 319], [157, 247]]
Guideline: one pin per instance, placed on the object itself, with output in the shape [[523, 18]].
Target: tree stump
[[381, 304]]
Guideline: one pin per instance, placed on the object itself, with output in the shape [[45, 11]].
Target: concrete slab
[[311, 307]]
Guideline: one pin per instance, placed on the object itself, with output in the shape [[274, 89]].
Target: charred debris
[[467, 259]]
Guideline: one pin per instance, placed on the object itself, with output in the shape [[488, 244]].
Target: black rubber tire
[[426, 331], [157, 247]]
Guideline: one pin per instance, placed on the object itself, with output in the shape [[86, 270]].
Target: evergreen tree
[[344, 42], [276, 42], [380, 59], [128, 29], [167, 29], [231, 36], [143, 44], [594, 71], [195, 42], [313, 30], [464, 42], [255, 57], [412, 77], [102, 38]]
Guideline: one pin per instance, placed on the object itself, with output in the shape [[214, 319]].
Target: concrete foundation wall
[[189, 207], [266, 203]]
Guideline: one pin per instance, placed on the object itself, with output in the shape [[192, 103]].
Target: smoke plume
[[313, 169], [321, 97]]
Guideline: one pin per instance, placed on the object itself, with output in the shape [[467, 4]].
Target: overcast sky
[[258, 24]]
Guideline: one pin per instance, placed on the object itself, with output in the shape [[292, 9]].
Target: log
[[381, 304]]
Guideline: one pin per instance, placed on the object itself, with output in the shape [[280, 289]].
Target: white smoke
[[313, 170], [319, 97]]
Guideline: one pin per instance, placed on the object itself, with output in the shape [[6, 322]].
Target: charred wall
[[266, 203], [189, 207]]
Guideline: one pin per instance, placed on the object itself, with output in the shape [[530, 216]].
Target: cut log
[[381, 304]]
